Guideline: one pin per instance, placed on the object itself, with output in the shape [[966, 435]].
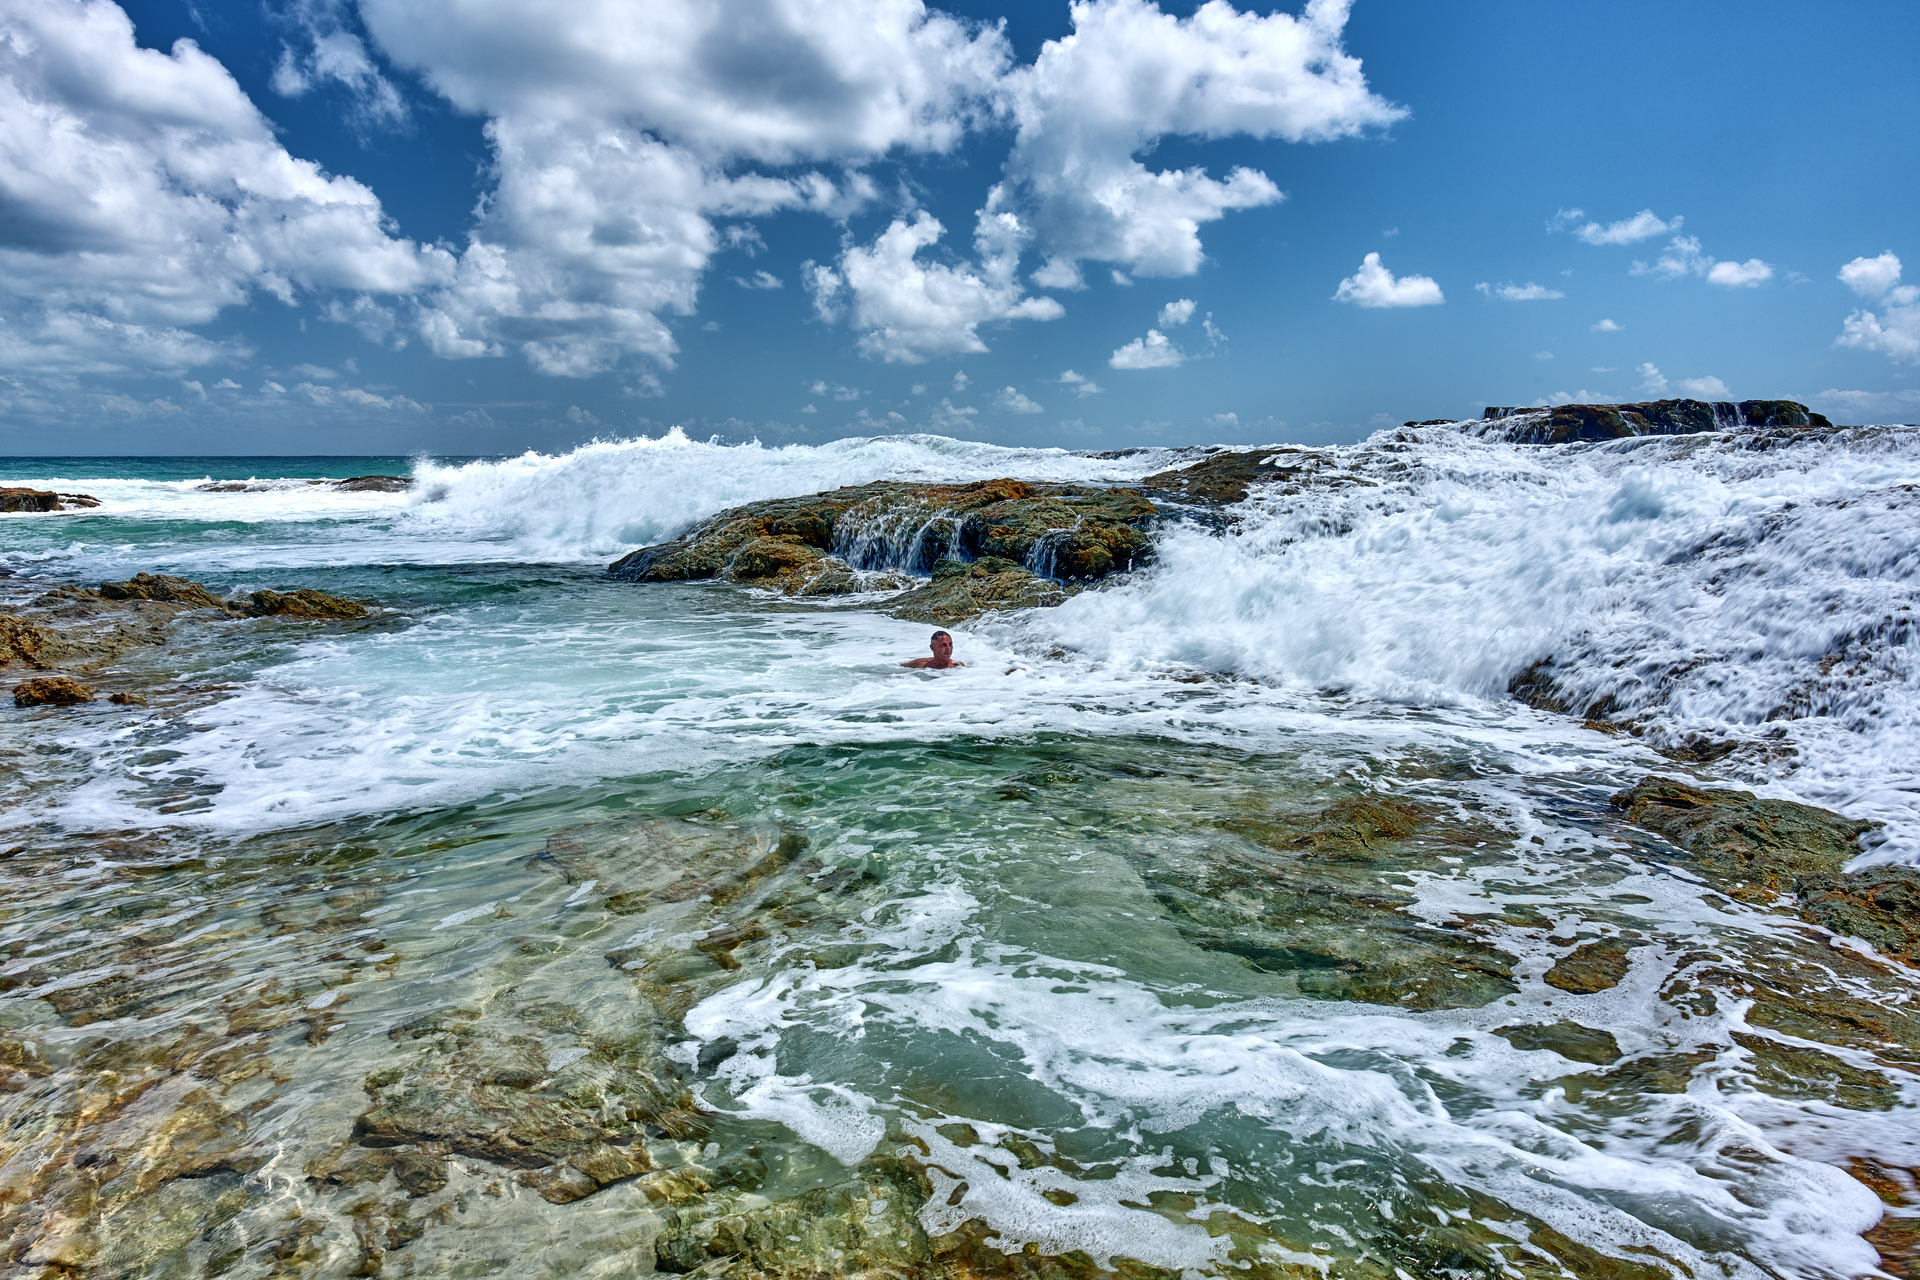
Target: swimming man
[[942, 646]]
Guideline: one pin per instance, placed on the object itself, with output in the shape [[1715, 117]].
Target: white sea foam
[[608, 497], [1702, 586]]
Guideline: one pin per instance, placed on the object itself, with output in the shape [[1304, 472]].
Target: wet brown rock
[[19, 499], [163, 587], [1743, 844], [51, 691], [128, 700], [304, 603], [22, 643], [1594, 966], [962, 590]]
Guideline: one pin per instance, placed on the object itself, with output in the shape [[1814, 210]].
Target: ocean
[[543, 924]]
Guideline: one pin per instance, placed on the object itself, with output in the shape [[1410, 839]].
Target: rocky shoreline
[[68, 630]]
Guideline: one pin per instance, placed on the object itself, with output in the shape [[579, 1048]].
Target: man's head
[[942, 645]]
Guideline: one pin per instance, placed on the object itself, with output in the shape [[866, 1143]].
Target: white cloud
[[1871, 277], [335, 53], [1643, 225], [1082, 385], [1735, 275], [1708, 388], [760, 280], [1010, 400], [1131, 74], [821, 387], [909, 310], [1895, 329], [1528, 292], [1684, 257], [144, 191], [1681, 257], [1608, 326], [1900, 405], [1151, 352], [1604, 368], [1652, 381], [950, 417], [960, 379], [1375, 286], [1177, 313]]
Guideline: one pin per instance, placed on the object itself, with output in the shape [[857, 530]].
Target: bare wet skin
[[974, 1009]]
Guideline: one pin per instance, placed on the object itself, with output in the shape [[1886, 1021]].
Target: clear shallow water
[[1072, 942]]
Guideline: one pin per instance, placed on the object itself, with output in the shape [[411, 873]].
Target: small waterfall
[[909, 538]]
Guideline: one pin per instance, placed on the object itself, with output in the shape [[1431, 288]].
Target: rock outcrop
[[1032, 544], [18, 499], [352, 484], [1574, 422], [304, 602], [51, 691]]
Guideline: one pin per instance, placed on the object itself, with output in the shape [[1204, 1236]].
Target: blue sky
[[473, 226]]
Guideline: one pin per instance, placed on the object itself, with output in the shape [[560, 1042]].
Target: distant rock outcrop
[[1569, 423], [51, 691]]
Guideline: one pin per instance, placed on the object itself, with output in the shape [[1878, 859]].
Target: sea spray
[[1685, 587]]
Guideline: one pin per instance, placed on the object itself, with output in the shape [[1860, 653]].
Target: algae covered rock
[[960, 590], [1880, 906], [162, 587], [303, 603], [1737, 840], [870, 537], [51, 691]]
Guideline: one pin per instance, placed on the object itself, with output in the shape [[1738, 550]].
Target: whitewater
[[1028, 931]]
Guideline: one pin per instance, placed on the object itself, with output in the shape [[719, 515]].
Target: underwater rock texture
[[1741, 843], [1569, 423]]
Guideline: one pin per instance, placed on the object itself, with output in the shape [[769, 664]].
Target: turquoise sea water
[[544, 925]]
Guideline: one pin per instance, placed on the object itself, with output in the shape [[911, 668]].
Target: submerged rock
[[1880, 906], [51, 691], [1574, 422], [374, 484]]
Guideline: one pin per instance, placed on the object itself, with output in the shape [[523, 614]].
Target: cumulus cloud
[[1176, 313], [1894, 330], [1375, 286], [142, 191], [1643, 225], [908, 309], [1652, 381], [1608, 326], [1011, 400], [1080, 384], [1528, 292], [1130, 74], [760, 280], [1706, 388], [1872, 277], [1155, 351], [1736, 275]]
